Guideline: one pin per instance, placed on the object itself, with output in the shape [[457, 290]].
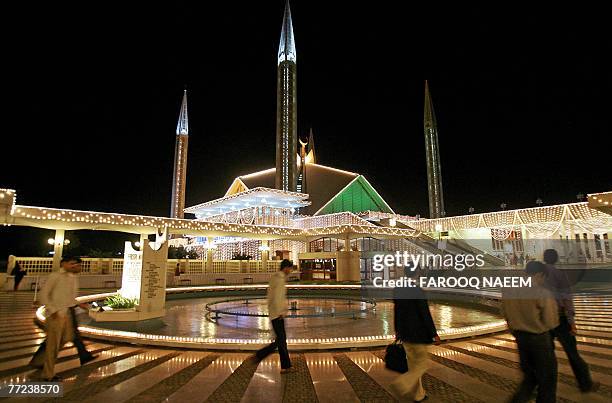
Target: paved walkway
[[483, 369]]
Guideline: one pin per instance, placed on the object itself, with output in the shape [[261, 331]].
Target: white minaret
[[180, 162], [432, 155], [286, 108]]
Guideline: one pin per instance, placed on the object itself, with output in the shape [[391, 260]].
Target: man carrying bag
[[415, 329], [395, 357]]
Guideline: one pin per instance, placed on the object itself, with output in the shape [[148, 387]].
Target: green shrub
[[120, 302]]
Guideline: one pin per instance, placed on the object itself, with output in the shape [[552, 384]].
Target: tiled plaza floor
[[483, 369]]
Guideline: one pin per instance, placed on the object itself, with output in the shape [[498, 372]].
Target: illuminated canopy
[[258, 197], [52, 218], [540, 221], [601, 202], [537, 221]]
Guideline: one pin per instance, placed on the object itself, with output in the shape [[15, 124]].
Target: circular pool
[[312, 319], [299, 307], [224, 319]]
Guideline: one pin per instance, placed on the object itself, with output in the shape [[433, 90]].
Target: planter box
[[124, 315]]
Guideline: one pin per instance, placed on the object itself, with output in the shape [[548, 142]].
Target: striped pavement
[[482, 369]]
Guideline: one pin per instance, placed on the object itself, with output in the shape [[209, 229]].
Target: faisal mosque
[[329, 221], [298, 192]]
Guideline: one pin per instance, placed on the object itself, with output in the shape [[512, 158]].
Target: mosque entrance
[[318, 269]]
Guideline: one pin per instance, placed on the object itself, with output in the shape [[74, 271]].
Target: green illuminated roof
[[330, 190], [357, 196]]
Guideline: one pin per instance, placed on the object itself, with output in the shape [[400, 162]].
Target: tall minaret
[[310, 156], [432, 153], [301, 181], [286, 108], [180, 162]]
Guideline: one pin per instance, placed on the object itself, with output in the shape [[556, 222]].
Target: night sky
[[92, 96]]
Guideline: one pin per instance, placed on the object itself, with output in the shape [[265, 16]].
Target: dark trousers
[[17, 281], [539, 366], [84, 355], [280, 342], [568, 341]]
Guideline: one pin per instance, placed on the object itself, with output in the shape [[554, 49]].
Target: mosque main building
[[298, 192], [331, 222]]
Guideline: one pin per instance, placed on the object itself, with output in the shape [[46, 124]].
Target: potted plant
[[118, 302]]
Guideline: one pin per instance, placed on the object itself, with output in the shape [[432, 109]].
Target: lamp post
[[439, 230], [51, 241], [56, 259], [539, 202]]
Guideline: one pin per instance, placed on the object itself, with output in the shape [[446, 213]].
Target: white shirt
[[59, 292], [277, 295], [532, 311]]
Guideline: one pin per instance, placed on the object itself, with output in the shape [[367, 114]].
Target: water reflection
[[445, 317], [188, 318]]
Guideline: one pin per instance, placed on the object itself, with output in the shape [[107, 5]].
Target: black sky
[[92, 95]]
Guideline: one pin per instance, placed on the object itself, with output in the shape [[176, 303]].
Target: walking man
[[59, 297], [16, 270], [557, 282], [415, 328], [531, 314], [277, 309]]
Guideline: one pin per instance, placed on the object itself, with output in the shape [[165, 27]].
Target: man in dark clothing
[[558, 284], [415, 328], [17, 271]]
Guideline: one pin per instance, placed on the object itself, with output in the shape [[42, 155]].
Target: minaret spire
[[180, 162], [183, 122], [286, 48], [286, 108], [432, 154], [311, 155]]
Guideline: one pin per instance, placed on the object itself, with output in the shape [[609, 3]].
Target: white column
[[593, 247], [586, 244], [209, 255], [574, 247], [347, 263], [265, 255], [347, 243], [203, 264], [563, 243], [58, 249]]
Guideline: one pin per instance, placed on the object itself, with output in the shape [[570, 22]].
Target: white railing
[[97, 266], [245, 266], [36, 265]]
